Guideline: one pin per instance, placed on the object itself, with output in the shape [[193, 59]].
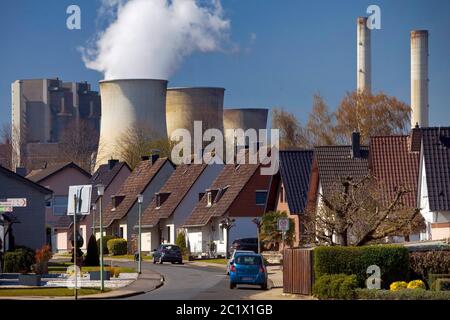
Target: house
[[394, 164], [59, 178], [288, 189], [239, 192], [120, 213], [24, 226], [434, 181], [171, 205], [112, 176], [331, 164]]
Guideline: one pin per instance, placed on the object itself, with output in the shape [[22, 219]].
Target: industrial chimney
[[364, 67], [419, 78]]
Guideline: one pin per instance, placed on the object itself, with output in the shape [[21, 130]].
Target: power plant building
[[363, 56], [419, 78], [41, 111]]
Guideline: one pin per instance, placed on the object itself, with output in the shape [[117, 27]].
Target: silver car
[[232, 258]]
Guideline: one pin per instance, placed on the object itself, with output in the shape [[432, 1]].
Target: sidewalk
[[147, 281]]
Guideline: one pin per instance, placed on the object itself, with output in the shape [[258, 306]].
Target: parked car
[[245, 244], [167, 253], [233, 255], [248, 268]]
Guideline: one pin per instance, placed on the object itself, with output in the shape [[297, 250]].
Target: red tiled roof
[[135, 184], [229, 184], [393, 165], [177, 186]]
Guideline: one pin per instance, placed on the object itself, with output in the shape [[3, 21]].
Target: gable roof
[[24, 180], [40, 174], [436, 154], [178, 185], [295, 171], [228, 184], [336, 162], [393, 165], [104, 175], [135, 184]]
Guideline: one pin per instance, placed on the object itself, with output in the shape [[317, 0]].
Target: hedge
[[105, 243], [335, 286], [405, 294], [393, 261], [19, 260], [424, 263], [117, 247]]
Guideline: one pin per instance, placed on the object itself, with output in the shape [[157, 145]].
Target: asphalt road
[[193, 282]]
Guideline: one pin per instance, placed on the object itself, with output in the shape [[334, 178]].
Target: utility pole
[[100, 192], [75, 243], [140, 200]]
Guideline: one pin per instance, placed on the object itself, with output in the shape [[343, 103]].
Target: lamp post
[[101, 192], [140, 198], [257, 221]]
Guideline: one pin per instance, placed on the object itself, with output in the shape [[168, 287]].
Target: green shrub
[[181, 242], [432, 278], [117, 247], [443, 284], [92, 257], [105, 243], [19, 261], [335, 286], [393, 261], [423, 263], [405, 294]]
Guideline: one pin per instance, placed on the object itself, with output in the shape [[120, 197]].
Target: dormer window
[[158, 201], [209, 198], [160, 198], [116, 201]]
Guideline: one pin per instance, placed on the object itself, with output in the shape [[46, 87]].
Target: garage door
[[146, 241]]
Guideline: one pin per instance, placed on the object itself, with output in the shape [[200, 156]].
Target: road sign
[[13, 202], [283, 224], [83, 194]]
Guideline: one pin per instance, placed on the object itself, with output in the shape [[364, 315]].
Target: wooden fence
[[298, 275]]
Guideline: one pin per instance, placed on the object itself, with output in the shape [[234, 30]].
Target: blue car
[[248, 268]]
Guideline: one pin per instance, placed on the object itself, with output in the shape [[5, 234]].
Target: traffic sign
[[83, 194], [283, 224], [13, 202]]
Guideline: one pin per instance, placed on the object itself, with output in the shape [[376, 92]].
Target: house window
[[158, 201], [209, 198], [59, 205], [121, 232], [261, 196]]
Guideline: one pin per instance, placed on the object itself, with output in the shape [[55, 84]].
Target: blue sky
[[298, 48]]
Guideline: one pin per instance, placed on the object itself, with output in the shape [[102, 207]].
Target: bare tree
[[6, 146], [141, 140], [292, 134], [79, 143], [356, 213]]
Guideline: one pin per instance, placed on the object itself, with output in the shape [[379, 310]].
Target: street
[[192, 282]]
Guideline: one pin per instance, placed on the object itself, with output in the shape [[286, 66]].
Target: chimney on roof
[[21, 171], [112, 163], [154, 156], [356, 144]]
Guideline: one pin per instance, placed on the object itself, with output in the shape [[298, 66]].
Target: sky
[[288, 50]]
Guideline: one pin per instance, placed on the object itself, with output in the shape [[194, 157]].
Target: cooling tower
[[419, 78], [127, 104], [252, 118], [364, 67], [186, 105]]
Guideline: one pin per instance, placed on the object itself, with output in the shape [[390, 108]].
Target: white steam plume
[[150, 38]]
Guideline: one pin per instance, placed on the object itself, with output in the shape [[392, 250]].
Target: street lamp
[[140, 198], [257, 221], [101, 192]]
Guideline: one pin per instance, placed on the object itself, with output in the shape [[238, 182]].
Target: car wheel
[[180, 261], [232, 285], [154, 260], [264, 286], [160, 260]]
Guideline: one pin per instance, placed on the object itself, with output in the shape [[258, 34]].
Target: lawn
[[50, 292], [61, 267], [218, 261]]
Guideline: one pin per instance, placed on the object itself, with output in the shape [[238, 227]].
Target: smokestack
[[363, 56], [419, 78]]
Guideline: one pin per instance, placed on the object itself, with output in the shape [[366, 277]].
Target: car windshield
[[170, 248], [248, 260]]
